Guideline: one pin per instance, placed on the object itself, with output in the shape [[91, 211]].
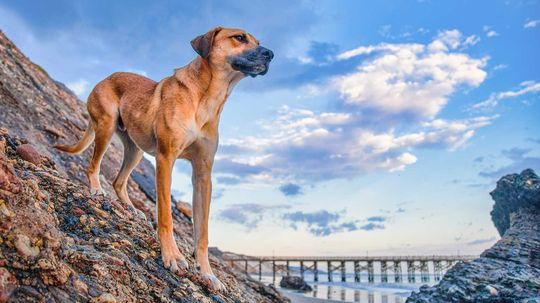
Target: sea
[[350, 291]]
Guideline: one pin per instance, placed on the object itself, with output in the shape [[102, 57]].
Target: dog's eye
[[240, 38]]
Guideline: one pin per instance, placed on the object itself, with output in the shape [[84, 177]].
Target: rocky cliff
[[60, 244], [510, 270]]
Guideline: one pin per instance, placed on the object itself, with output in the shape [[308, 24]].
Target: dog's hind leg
[[132, 156], [103, 108]]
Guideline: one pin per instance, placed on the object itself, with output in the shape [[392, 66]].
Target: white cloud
[[303, 145], [489, 31], [531, 24], [403, 84], [527, 87], [492, 33], [471, 40], [412, 79], [79, 87]]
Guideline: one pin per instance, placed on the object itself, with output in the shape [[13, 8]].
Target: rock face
[[510, 270], [60, 244], [293, 282]]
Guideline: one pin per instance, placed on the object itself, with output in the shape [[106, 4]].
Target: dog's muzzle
[[253, 62]]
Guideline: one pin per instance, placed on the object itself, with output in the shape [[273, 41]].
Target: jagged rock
[[510, 270], [58, 243], [294, 282]]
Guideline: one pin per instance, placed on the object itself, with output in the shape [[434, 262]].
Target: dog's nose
[[267, 53]]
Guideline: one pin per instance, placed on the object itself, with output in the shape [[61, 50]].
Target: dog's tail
[[83, 143]]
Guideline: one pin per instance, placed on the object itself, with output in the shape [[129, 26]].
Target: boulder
[[509, 271], [293, 282]]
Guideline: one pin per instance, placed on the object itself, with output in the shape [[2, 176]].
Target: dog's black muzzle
[[253, 62]]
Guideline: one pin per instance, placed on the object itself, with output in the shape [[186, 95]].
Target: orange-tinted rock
[[8, 283], [29, 153]]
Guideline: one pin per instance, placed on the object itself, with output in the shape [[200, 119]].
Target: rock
[[184, 208], [509, 271], [293, 282], [29, 153], [8, 283], [25, 248], [106, 298], [61, 244]]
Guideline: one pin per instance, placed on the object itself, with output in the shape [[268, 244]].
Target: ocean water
[[350, 291]]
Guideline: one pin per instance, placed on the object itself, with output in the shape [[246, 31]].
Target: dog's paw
[[212, 282], [174, 261], [98, 192], [139, 213]]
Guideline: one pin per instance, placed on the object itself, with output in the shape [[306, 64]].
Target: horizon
[[380, 128]]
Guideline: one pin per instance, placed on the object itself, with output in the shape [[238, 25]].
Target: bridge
[[383, 266]]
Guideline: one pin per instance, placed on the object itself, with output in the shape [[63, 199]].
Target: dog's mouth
[[254, 62]]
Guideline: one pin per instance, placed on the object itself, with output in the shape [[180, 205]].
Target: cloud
[[490, 33], [79, 87], [471, 40], [481, 241], [372, 226], [413, 79], [291, 189], [519, 160], [526, 87], [321, 223], [300, 144], [248, 215], [376, 219], [531, 24], [388, 107]]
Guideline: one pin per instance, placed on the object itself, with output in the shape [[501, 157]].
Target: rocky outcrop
[[60, 244], [510, 270], [294, 282]]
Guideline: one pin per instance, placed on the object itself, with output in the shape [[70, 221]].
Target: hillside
[[60, 244]]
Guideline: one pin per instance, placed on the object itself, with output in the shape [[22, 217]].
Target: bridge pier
[[260, 270], [273, 271], [411, 271], [315, 272], [398, 274], [357, 271], [302, 269], [424, 271], [371, 276], [288, 268], [437, 270], [330, 271], [384, 272], [343, 272]]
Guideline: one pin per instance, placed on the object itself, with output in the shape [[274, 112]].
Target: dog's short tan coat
[[175, 118]]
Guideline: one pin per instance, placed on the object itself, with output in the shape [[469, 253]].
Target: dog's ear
[[203, 43]]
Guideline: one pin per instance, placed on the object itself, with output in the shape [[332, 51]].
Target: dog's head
[[233, 49]]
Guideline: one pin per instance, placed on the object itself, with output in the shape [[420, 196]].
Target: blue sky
[[380, 128]]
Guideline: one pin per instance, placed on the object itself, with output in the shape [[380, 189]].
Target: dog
[[175, 118]]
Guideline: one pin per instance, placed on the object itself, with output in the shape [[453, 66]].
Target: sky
[[380, 128]]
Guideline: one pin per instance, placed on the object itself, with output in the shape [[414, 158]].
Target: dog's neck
[[213, 89]]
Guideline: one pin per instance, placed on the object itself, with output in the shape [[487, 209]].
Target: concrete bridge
[[383, 266]]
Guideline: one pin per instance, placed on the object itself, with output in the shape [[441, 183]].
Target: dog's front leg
[[202, 192], [172, 258]]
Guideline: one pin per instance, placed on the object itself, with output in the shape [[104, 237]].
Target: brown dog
[[175, 118]]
